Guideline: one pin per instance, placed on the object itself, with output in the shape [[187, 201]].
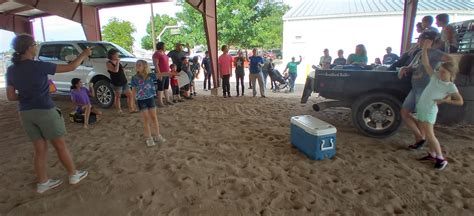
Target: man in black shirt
[[177, 54]]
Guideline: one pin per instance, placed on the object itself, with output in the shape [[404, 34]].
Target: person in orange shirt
[[225, 70]]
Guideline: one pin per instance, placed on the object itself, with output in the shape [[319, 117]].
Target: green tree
[[193, 25], [270, 24], [240, 23], [161, 21], [236, 22], [119, 32]]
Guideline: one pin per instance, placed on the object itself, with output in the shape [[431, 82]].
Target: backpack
[[78, 117]]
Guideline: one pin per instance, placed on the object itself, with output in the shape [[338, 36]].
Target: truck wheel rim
[[104, 95], [378, 116]]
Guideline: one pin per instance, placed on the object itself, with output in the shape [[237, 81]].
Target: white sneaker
[[49, 184], [150, 142], [78, 176], [160, 139]]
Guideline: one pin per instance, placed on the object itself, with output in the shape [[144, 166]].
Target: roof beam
[[409, 13], [17, 24], [129, 3], [19, 10], [87, 16], [209, 14]]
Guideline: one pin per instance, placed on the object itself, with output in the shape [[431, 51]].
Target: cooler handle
[[323, 148]]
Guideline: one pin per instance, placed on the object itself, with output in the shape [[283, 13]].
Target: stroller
[[280, 82]]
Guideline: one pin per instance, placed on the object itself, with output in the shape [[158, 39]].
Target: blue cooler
[[314, 137]]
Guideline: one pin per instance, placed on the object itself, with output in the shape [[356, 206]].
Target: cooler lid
[[313, 125]]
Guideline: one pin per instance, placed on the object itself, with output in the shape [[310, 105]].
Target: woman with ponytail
[[27, 83]]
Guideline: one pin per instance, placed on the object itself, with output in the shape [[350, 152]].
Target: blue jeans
[[292, 81], [265, 75], [412, 99], [207, 79]]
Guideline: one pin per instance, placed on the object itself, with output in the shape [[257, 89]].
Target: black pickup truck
[[375, 97]]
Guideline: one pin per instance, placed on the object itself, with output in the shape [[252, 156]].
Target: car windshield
[[99, 50]]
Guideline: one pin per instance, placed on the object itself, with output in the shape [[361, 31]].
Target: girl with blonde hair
[[143, 87], [440, 89]]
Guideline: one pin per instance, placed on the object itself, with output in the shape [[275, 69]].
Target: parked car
[[233, 53], [92, 70], [276, 53], [200, 54], [269, 55]]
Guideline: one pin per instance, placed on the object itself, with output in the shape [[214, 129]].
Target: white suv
[[92, 70]]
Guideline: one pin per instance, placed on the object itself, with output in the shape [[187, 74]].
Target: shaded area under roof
[[18, 8], [334, 8]]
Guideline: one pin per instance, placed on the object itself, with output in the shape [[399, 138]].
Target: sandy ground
[[234, 157]]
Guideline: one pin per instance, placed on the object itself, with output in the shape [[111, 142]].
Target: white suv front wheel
[[104, 93]]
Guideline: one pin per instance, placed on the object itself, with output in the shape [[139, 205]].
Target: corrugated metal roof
[[333, 8]]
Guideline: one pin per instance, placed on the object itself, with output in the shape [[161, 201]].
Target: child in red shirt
[[175, 84]]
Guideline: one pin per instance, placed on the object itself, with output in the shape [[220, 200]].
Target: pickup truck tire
[[104, 93], [377, 115]]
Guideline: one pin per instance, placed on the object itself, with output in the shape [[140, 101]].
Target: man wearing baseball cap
[[177, 54], [390, 57], [419, 80]]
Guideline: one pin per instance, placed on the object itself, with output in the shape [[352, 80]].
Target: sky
[[57, 28]]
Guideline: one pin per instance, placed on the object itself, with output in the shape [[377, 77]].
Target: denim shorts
[[146, 104], [122, 89], [412, 98]]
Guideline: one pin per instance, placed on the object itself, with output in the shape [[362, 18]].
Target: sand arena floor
[[234, 157]]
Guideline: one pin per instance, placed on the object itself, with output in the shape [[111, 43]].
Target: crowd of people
[[260, 69], [27, 82], [446, 41]]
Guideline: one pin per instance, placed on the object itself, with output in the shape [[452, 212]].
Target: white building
[[314, 25]]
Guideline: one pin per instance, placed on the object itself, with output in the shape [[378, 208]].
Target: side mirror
[[70, 58]]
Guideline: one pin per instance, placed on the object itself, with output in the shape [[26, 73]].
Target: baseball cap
[[430, 35]]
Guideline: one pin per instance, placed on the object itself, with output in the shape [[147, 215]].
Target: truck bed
[[347, 85]]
